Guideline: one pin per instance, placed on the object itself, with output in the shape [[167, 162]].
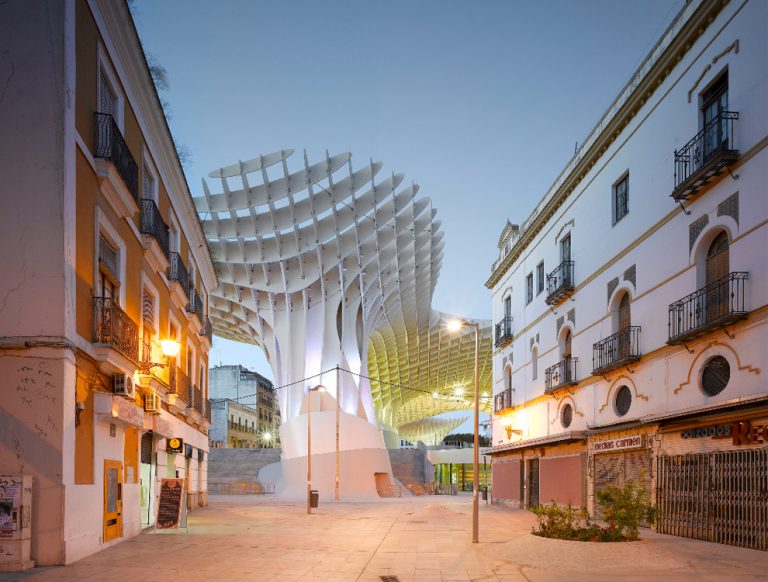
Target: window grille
[[715, 376]]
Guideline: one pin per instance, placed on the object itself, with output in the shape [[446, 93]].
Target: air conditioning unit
[[122, 384], [152, 402]]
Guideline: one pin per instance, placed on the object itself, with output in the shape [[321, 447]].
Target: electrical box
[[15, 522]]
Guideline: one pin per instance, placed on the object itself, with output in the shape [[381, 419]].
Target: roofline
[[656, 66]]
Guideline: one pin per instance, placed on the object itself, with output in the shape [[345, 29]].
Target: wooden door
[[113, 500], [717, 295], [533, 482]]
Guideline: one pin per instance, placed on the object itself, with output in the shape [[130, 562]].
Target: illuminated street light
[[455, 325]]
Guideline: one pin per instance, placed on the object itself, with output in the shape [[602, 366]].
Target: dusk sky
[[480, 103]]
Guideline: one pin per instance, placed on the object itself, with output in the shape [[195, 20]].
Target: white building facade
[[631, 305]]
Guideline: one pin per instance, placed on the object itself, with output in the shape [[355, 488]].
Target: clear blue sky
[[479, 102]]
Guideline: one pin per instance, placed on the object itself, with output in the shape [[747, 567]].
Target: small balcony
[[714, 306], [561, 375], [504, 332], [110, 146], [195, 305], [178, 273], [615, 351], [705, 156], [113, 327], [207, 413], [199, 404], [206, 330], [502, 400], [152, 225], [560, 283]]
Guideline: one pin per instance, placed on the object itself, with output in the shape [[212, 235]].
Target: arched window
[[567, 345], [567, 368], [534, 363], [624, 323], [508, 377]]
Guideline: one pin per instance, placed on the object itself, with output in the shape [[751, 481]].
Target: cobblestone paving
[[414, 539]]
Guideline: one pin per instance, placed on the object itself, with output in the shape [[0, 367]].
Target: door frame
[[113, 520]]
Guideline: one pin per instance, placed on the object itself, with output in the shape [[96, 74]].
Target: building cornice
[[124, 47], [688, 26]]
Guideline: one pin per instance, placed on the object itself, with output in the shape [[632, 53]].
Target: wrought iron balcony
[[181, 385], [560, 283], [110, 145], [207, 413], [716, 305], [561, 375], [113, 327], [178, 272], [706, 155], [616, 350], [207, 329], [195, 305], [504, 332], [152, 224], [502, 400]]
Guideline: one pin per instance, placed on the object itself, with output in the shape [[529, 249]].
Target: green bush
[[625, 508]]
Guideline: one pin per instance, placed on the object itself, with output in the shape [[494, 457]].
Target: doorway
[[147, 470], [113, 500], [533, 482]]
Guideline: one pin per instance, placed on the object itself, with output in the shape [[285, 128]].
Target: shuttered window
[[107, 99], [148, 312], [108, 257], [148, 185]]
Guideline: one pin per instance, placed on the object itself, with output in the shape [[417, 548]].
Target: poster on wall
[[169, 510], [10, 502]]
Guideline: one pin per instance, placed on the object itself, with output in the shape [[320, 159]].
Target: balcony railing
[[181, 386], [502, 400], [152, 224], [716, 305], [705, 156], [113, 327], [504, 332], [178, 272], [561, 375], [559, 282], [207, 412], [195, 305], [616, 350], [111, 146], [207, 329]]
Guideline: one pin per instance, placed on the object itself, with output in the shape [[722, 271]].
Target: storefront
[[540, 471], [712, 478]]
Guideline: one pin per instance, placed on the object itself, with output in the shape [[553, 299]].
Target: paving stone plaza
[[424, 538]]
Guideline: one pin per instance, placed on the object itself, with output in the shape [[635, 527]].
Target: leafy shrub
[[625, 508]]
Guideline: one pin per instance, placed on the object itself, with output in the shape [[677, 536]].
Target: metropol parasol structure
[[331, 271]]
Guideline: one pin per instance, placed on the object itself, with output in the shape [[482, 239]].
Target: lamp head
[[454, 325], [170, 348]]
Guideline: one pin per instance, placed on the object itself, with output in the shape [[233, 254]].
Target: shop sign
[[742, 432], [619, 444], [170, 506], [175, 445]]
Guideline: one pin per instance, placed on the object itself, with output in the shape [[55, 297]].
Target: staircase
[[239, 465], [410, 466]]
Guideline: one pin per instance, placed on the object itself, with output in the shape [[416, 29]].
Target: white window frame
[[104, 66], [102, 226]]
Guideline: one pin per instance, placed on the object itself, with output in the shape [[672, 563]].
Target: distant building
[[250, 389], [236, 426]]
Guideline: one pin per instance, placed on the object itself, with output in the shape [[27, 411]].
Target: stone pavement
[[414, 539]]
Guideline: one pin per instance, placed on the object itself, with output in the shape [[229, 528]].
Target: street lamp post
[[456, 325], [309, 445]]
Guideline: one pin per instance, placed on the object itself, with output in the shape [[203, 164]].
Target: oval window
[[567, 416], [715, 375], [623, 400]]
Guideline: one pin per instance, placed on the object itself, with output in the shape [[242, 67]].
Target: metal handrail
[[178, 272], [714, 138], [110, 145], [560, 279], [720, 300], [504, 331], [622, 346], [560, 375], [199, 405], [113, 327], [195, 305], [152, 224]]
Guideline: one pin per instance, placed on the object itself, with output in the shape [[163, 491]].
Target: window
[[148, 189], [540, 277], [715, 376], [148, 312], [108, 268], [534, 363], [107, 97], [623, 400], [529, 288], [566, 417], [620, 199], [565, 249], [507, 307]]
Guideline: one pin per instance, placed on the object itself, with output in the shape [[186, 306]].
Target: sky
[[479, 102]]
